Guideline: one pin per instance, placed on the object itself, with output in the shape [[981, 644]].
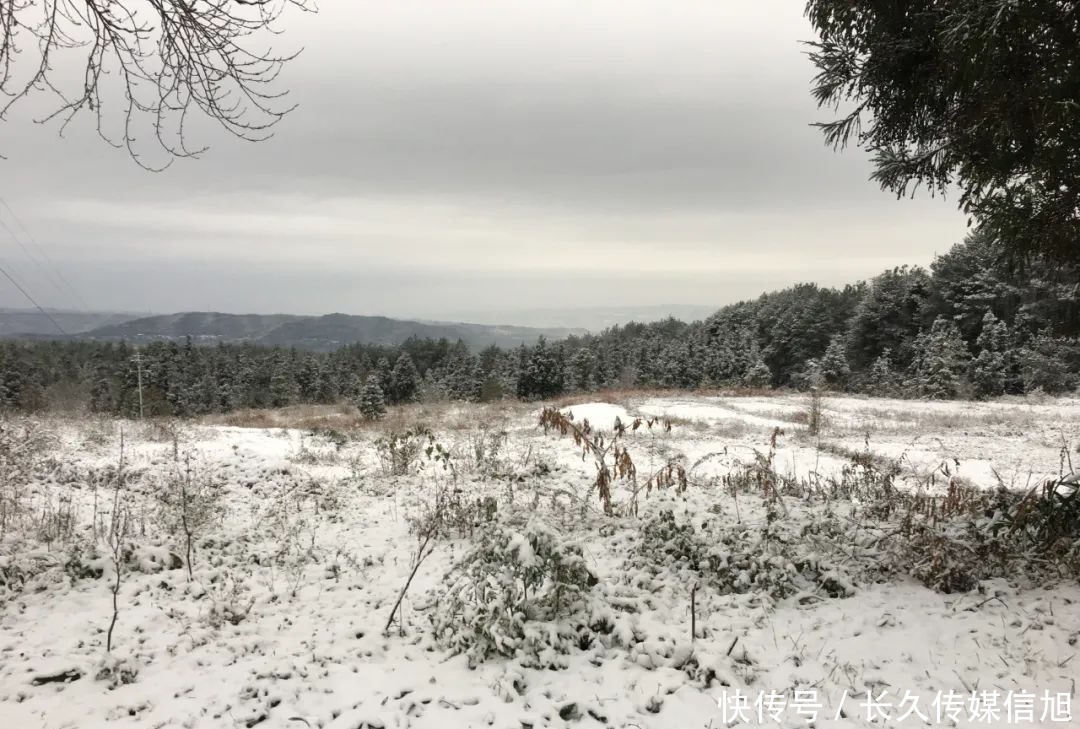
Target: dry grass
[[893, 420], [310, 417], [622, 396], [344, 417]]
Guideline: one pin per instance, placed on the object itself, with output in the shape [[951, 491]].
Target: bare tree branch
[[149, 62]]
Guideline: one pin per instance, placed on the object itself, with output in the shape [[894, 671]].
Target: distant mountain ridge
[[316, 333], [195, 324]]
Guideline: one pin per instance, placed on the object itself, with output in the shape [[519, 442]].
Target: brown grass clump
[[621, 466]]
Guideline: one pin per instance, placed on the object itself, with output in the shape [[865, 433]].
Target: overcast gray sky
[[478, 156]]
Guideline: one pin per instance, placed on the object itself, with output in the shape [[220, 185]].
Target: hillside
[[303, 602], [199, 325], [336, 330], [316, 333]]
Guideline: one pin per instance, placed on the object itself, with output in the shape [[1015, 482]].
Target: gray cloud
[[475, 155]]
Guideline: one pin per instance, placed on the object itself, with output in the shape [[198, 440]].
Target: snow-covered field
[[310, 539]]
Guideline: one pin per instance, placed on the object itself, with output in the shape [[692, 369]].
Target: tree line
[[972, 326]]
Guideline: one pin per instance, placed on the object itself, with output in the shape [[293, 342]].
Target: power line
[[31, 300], [64, 286], [30, 258]]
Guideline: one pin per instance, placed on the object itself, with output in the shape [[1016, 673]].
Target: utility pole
[[138, 361]]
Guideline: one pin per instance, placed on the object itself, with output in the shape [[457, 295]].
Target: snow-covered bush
[[523, 592], [399, 454], [23, 444], [190, 502], [769, 558], [230, 597], [117, 671], [729, 557], [952, 543], [486, 452]]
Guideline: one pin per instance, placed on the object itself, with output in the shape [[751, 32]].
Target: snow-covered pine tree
[[582, 364], [384, 372], [881, 379], [283, 388], [207, 395], [328, 386], [758, 374], [989, 369], [542, 374], [404, 380], [941, 361], [1045, 364], [372, 402], [101, 391], [308, 378], [834, 364], [32, 393]]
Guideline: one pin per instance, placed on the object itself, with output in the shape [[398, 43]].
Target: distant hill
[[199, 325], [318, 333], [336, 330], [593, 318], [15, 322]]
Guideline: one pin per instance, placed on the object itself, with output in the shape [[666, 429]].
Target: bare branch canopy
[[142, 67]]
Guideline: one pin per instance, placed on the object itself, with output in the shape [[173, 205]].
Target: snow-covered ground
[[311, 540]]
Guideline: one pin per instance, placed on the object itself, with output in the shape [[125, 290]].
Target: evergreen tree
[[1050, 364], [12, 385], [758, 374], [372, 403], [882, 379], [942, 361], [328, 387], [542, 374], [889, 316], [976, 96], [32, 393], [834, 367], [990, 369], [101, 391], [404, 380], [308, 378], [283, 388], [582, 364], [384, 373]]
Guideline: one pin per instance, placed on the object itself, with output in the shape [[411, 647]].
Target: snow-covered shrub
[[230, 597], [399, 454], [729, 557], [23, 444], [943, 562], [1050, 519], [17, 570], [452, 511], [84, 562], [117, 671], [190, 502], [776, 559], [56, 521], [969, 536], [333, 436], [523, 592], [867, 479], [486, 452]]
